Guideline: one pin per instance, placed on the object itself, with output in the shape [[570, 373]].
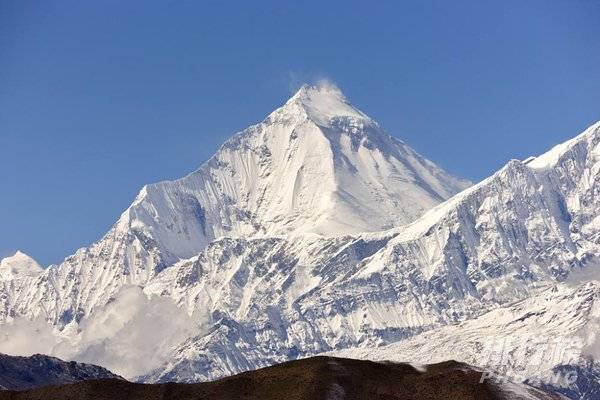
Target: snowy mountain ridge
[[315, 165], [263, 249]]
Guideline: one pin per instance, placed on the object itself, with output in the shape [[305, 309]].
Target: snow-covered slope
[[559, 311], [553, 331], [316, 165], [18, 265]]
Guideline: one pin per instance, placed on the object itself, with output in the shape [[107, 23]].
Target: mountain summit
[[323, 102], [315, 165]]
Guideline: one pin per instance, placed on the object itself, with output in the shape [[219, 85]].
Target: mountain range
[[316, 231]]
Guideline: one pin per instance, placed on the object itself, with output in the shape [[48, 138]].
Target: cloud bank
[[130, 336]]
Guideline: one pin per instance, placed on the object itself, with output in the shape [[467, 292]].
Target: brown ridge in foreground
[[323, 378]]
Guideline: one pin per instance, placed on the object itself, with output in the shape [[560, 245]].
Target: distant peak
[[323, 101], [19, 264]]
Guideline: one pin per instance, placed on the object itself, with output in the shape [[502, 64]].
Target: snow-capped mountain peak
[[322, 102], [316, 166], [18, 265]]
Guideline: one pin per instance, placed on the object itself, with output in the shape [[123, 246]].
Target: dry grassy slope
[[313, 378]]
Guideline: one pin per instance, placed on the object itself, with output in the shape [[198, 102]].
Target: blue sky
[[98, 98]]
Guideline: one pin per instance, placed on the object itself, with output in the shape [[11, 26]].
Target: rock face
[[21, 373], [317, 165], [308, 379]]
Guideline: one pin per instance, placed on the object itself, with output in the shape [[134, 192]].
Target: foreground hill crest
[[308, 379]]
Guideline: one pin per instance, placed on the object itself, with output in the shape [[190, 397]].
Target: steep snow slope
[[316, 165], [554, 331], [18, 265], [558, 312], [493, 244]]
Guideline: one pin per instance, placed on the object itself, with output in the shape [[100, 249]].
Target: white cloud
[[130, 336], [25, 337]]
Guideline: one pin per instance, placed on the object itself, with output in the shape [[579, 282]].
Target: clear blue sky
[[98, 98]]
